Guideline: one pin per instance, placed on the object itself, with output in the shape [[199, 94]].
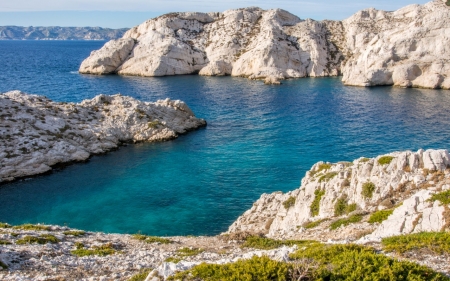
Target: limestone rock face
[[38, 133], [403, 179], [108, 58], [406, 48]]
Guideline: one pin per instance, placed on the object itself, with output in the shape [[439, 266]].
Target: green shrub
[[354, 263], [322, 167], [340, 207], [4, 242], [141, 276], [313, 224], [79, 245], [315, 205], [256, 268], [289, 202], [367, 189], [385, 160], [447, 3], [188, 252], [351, 207], [327, 176], [35, 227], [263, 243], [443, 197], [75, 233], [380, 216], [364, 160], [345, 222], [4, 225], [103, 250], [43, 239], [437, 242], [151, 239], [173, 259]]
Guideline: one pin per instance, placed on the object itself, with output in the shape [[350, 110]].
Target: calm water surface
[[258, 139]]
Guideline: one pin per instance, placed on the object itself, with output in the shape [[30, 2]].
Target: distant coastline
[[59, 33]]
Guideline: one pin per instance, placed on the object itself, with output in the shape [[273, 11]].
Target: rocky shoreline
[[37, 134], [406, 48]]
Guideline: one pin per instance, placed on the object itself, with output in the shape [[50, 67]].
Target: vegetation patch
[[447, 3], [322, 167], [327, 176], [151, 239], [35, 227], [443, 197], [354, 262], [315, 205], [346, 221], [256, 268], [313, 224], [289, 202], [436, 242], [364, 160], [75, 233], [43, 239], [141, 276], [385, 160], [5, 242], [188, 252], [4, 225], [103, 250], [380, 216], [173, 259], [367, 189], [263, 243], [341, 207], [3, 266]]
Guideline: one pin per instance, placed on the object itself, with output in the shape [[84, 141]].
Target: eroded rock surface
[[406, 48], [402, 181], [37, 133]]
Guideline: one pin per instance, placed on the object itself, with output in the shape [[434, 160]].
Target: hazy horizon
[[117, 14]]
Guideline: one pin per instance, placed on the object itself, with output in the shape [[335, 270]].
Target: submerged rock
[[406, 48], [37, 133]]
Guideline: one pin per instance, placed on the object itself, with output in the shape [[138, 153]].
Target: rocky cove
[[405, 48]]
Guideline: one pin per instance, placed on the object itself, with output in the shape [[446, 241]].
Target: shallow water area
[[259, 139]]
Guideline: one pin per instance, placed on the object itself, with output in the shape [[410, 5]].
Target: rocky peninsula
[[370, 202], [36, 133], [408, 48]]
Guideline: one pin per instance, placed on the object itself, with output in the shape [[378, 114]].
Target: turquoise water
[[258, 139]]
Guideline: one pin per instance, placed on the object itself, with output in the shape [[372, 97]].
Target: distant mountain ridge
[[59, 33]]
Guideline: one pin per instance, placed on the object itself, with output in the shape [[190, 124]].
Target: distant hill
[[59, 33]]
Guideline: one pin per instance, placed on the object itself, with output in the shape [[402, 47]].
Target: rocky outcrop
[[402, 182], [37, 133], [406, 48]]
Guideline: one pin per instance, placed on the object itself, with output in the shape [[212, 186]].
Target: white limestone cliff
[[406, 48], [37, 133], [403, 185]]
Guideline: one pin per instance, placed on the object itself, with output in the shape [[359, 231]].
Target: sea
[[259, 139]]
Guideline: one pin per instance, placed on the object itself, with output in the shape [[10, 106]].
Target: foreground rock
[[402, 182], [408, 48], [37, 133]]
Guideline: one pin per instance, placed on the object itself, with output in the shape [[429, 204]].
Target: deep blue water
[[258, 139]]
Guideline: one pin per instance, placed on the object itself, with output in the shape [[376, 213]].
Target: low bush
[[315, 205], [380, 216], [141, 276], [103, 250], [151, 239], [289, 202], [5, 242], [367, 189], [43, 239], [341, 207], [256, 268], [173, 259], [436, 242], [75, 233], [385, 160], [313, 224], [327, 176], [35, 227], [263, 243], [443, 197], [364, 160], [346, 221], [188, 252], [354, 262], [4, 225]]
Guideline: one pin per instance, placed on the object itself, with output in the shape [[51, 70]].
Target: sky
[[129, 13]]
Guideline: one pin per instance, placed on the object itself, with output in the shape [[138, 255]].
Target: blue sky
[[120, 13]]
